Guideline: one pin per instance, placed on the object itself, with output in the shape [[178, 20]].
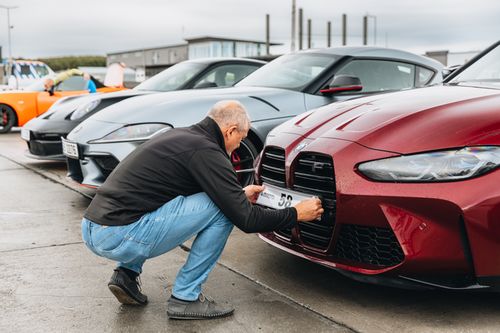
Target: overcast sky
[[95, 27]]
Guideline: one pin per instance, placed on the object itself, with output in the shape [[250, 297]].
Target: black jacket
[[181, 161]]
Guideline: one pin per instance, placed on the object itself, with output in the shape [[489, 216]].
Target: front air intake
[[368, 245]]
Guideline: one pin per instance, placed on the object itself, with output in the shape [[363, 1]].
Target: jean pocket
[[106, 238]]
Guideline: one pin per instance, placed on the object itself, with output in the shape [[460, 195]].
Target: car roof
[[225, 59], [372, 51]]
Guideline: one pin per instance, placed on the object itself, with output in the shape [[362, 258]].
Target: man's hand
[[308, 210], [252, 192]]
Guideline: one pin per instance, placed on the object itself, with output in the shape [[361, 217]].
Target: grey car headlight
[[139, 132], [439, 166], [84, 109]]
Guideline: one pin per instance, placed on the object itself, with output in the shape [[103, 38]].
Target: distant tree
[[63, 63]]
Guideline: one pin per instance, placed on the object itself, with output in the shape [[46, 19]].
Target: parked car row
[[43, 134], [406, 166], [280, 90]]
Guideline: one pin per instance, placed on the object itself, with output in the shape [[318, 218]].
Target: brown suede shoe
[[202, 308]]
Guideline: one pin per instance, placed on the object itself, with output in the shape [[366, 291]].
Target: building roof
[[147, 49], [193, 40], [221, 39]]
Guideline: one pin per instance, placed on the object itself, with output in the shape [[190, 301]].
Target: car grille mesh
[[106, 163], [273, 167], [314, 174], [368, 245], [273, 172]]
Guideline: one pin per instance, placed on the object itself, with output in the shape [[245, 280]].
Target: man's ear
[[232, 128]]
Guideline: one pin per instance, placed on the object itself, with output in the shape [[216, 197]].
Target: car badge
[[301, 146]]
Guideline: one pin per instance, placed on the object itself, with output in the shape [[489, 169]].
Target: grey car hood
[[67, 105], [184, 108]]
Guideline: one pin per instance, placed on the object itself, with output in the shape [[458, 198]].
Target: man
[[49, 83], [177, 185]]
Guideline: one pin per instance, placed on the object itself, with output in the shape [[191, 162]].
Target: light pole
[[9, 27], [374, 27]]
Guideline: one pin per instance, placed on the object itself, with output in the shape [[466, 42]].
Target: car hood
[[186, 107], [67, 105], [417, 120]]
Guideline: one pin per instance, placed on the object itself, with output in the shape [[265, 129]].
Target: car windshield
[[292, 71], [172, 78], [485, 72], [36, 86], [41, 70]]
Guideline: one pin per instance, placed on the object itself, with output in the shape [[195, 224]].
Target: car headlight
[[84, 109], [139, 132], [436, 166]]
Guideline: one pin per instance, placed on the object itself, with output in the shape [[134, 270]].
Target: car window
[[291, 71], [172, 78], [380, 75], [72, 83], [423, 77], [225, 75]]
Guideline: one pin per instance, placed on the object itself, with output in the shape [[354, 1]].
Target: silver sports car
[[289, 85], [43, 134]]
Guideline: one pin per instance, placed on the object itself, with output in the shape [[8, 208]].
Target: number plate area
[[70, 149], [279, 198], [25, 134]]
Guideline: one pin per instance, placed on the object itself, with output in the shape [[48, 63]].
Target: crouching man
[[181, 184]]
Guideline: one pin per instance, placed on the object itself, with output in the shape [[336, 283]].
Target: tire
[[243, 159], [7, 118]]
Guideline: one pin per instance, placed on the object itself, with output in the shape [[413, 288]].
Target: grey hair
[[228, 113]]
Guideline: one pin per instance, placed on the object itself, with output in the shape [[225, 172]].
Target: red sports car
[[409, 181]]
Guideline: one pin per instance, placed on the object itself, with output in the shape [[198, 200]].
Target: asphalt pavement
[[50, 282]]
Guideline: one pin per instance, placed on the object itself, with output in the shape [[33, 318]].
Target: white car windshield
[[172, 78], [36, 86], [485, 72], [292, 71]]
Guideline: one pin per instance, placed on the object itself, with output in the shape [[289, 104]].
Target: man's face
[[233, 137]]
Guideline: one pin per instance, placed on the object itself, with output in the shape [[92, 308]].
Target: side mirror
[[341, 83], [206, 84], [447, 71]]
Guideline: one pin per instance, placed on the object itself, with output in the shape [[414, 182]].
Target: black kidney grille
[[273, 166], [369, 245], [313, 174]]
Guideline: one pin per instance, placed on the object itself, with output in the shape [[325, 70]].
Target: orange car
[[17, 107]]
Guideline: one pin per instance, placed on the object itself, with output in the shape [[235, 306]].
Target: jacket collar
[[211, 127]]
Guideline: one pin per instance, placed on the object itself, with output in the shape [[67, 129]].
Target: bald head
[[228, 113]]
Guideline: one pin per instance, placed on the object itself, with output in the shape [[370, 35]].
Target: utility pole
[[344, 29], [329, 34], [267, 34], [309, 33], [368, 16], [365, 30], [9, 27], [300, 28], [292, 45]]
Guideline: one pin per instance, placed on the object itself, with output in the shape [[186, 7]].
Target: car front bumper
[[433, 235]]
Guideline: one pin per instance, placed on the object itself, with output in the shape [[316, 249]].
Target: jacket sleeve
[[215, 174]]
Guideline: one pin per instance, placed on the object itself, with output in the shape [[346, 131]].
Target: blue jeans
[[162, 230]]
